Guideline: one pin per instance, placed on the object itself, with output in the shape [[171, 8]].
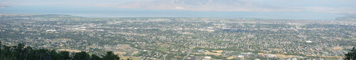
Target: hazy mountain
[[347, 18], [201, 5], [3, 6]]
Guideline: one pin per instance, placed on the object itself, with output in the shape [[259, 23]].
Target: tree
[[65, 55], [81, 56], [110, 56], [95, 57], [20, 52], [351, 55]]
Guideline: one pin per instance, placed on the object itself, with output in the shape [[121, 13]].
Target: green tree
[[20, 52], [95, 57], [81, 56], [351, 55], [65, 55], [111, 56]]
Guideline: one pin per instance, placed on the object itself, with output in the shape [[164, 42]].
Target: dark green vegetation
[[351, 55], [22, 52]]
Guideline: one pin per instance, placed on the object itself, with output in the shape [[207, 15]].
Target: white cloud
[[324, 6], [236, 5], [202, 5]]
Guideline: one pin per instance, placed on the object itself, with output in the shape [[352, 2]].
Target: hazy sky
[[340, 7]]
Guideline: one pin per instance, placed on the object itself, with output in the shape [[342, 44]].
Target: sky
[[268, 9]]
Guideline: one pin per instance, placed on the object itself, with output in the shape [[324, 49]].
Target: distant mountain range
[[38, 15], [347, 18], [3, 6], [201, 5]]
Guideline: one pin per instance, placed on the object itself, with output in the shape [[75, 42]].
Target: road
[[189, 52]]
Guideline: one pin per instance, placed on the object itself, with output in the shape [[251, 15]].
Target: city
[[175, 38]]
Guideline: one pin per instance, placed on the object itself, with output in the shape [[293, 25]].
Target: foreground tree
[[21, 52], [351, 55], [111, 56], [81, 56]]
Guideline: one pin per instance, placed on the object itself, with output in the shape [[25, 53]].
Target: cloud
[[240, 5], [341, 7], [202, 5]]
